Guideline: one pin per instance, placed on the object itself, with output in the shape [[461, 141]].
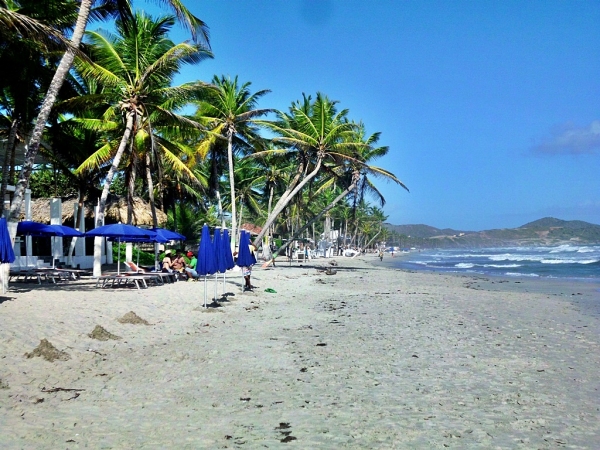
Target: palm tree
[[351, 170], [29, 56], [135, 68], [105, 7], [229, 113], [315, 132]]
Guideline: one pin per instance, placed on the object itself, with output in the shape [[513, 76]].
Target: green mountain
[[546, 231]]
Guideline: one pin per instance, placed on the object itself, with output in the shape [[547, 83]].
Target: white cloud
[[571, 140]]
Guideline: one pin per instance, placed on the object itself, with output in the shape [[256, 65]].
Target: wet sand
[[366, 358]]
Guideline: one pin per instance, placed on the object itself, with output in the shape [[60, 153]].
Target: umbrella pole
[[205, 291], [216, 284], [119, 257], [223, 283]]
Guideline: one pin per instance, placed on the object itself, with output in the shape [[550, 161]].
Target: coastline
[[370, 357]]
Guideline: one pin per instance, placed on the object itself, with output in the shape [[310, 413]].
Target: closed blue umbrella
[[207, 263], [220, 256], [226, 249], [245, 257], [7, 254]]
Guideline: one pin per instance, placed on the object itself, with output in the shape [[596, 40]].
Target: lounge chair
[[163, 276]]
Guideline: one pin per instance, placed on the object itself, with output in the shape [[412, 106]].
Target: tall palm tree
[[104, 8], [135, 68], [230, 113]]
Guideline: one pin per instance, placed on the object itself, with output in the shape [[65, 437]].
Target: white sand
[[367, 358]]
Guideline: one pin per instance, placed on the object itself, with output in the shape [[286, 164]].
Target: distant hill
[[546, 231]]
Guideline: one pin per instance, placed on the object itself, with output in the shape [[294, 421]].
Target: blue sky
[[491, 109]]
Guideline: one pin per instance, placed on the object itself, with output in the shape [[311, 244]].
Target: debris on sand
[[133, 318], [330, 271], [3, 385], [48, 351], [333, 263], [101, 334]]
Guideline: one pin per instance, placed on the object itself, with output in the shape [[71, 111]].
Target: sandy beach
[[369, 357]]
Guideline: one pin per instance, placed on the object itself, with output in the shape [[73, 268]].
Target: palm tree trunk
[[9, 149], [131, 190], [220, 209], [150, 185], [232, 188], [107, 183], [34, 144], [284, 201], [325, 210]]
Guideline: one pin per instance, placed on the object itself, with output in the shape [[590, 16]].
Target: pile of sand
[[133, 318], [48, 351], [101, 334]]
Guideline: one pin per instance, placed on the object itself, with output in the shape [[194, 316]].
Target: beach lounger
[[165, 277], [121, 280]]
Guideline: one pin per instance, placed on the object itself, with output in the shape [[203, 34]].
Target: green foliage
[[48, 183], [146, 258]]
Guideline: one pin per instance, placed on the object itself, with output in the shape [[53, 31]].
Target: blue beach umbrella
[[220, 256], [7, 254], [168, 234], [245, 257], [30, 228], [226, 250], [121, 232], [65, 231], [37, 229], [207, 263]]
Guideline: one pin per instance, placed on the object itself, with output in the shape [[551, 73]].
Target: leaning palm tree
[[316, 132], [230, 113], [104, 8], [135, 68], [350, 172]]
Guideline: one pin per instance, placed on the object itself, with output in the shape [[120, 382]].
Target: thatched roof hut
[[116, 211]]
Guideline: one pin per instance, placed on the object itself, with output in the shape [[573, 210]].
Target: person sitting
[[191, 266], [167, 262], [178, 264]]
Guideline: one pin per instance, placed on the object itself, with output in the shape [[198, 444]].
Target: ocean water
[[564, 261]]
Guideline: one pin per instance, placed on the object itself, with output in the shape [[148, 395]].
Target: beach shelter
[[207, 263], [7, 254], [120, 232]]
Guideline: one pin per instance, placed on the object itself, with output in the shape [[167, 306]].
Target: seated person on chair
[[167, 262], [191, 267]]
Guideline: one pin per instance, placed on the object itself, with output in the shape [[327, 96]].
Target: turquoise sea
[[563, 261]]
